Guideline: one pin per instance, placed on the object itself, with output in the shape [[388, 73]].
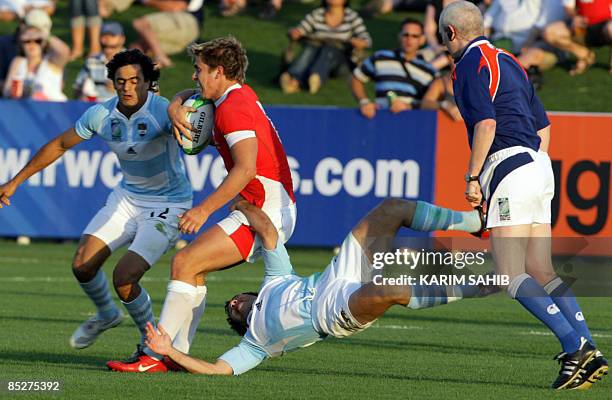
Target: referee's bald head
[[465, 18]]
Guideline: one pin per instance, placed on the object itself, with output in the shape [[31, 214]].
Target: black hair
[[240, 327], [415, 21], [133, 57]]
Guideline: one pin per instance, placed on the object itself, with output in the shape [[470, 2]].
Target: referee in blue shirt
[[509, 168]]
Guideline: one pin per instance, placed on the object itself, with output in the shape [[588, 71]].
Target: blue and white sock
[[141, 312], [97, 290], [426, 296], [534, 298], [564, 298], [428, 217]]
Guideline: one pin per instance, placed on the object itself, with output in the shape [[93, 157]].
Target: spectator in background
[[11, 10], [37, 72], [537, 55], [9, 44], [84, 13], [91, 83], [400, 77], [331, 34], [512, 19], [170, 30], [108, 7], [230, 8], [439, 96], [591, 26], [380, 7]]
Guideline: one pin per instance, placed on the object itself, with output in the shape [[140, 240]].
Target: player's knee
[[181, 265], [84, 270]]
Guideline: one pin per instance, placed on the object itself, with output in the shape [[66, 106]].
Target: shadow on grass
[[64, 360], [403, 378]]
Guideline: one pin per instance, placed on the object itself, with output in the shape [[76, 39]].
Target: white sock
[[184, 338], [178, 306]]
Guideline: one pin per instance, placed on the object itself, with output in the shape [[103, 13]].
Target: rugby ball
[[202, 121]]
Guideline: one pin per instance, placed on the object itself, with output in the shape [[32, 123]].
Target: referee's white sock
[[185, 335], [178, 306]]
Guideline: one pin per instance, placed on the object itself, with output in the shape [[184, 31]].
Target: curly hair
[[133, 57], [240, 327], [226, 52]]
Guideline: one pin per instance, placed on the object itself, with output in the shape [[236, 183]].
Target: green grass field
[[265, 40], [486, 348]]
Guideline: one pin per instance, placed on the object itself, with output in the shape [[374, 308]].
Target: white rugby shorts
[[518, 185], [343, 276], [152, 228]]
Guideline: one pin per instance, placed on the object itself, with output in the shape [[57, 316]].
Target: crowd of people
[[333, 40]]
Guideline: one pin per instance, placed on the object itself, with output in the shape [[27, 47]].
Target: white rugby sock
[[178, 306], [184, 338]]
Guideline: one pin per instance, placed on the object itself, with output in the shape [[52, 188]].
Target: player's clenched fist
[[192, 220], [473, 193], [6, 191]]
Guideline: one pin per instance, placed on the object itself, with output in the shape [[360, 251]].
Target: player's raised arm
[[159, 341], [50, 152]]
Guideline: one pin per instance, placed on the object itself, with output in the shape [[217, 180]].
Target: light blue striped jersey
[[149, 157], [280, 320]]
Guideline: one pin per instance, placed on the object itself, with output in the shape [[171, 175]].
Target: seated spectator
[[400, 77], [91, 83], [47, 6], [37, 72], [380, 7], [106, 8], [537, 55], [230, 8], [439, 96], [169, 31], [84, 13], [511, 19], [11, 10], [331, 33], [591, 27], [9, 44]]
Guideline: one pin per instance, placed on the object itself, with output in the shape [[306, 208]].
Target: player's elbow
[[487, 124]]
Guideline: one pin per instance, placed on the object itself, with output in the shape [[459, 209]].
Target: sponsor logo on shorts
[[579, 316], [552, 309], [503, 206]]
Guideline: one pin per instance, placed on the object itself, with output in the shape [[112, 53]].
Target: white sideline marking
[[543, 333], [402, 327], [54, 279]]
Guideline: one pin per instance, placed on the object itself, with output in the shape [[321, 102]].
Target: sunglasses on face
[[37, 41], [411, 35]]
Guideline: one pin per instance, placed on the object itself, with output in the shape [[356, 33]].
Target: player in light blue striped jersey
[[141, 211], [292, 312]]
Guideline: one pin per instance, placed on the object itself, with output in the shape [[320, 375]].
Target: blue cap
[[112, 28]]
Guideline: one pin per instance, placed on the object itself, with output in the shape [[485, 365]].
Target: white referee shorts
[[342, 277], [152, 228], [518, 184], [236, 226]]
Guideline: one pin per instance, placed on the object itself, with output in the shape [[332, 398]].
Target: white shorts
[[518, 185], [248, 243], [152, 228], [343, 276]]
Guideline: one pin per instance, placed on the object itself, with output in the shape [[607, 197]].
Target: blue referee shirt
[[490, 83]]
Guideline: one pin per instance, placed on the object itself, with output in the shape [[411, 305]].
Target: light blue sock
[[141, 312], [426, 296], [97, 290], [564, 298], [534, 298], [428, 217]]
